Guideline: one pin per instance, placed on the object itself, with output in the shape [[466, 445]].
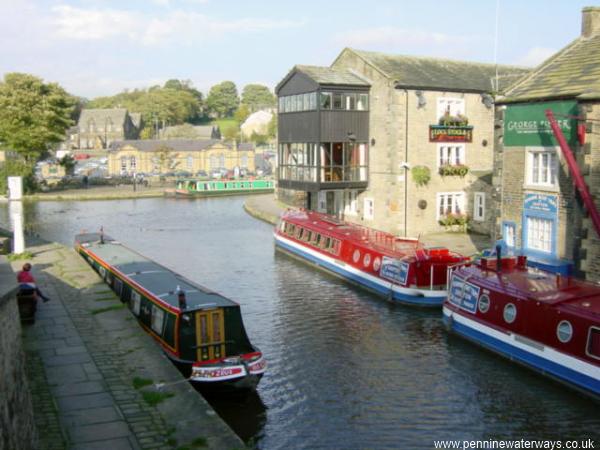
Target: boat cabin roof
[[380, 241], [538, 285], [151, 276]]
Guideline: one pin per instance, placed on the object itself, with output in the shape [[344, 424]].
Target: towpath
[[93, 371]]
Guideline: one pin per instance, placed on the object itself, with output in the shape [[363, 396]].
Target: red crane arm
[[578, 180]]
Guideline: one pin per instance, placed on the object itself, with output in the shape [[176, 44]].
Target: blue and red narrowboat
[[542, 320], [400, 269], [198, 329]]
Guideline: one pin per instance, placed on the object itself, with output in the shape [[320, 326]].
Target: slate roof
[[246, 147], [182, 145], [438, 74], [199, 131], [327, 75], [573, 72], [116, 115]]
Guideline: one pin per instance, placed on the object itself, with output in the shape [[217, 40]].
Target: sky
[[101, 47]]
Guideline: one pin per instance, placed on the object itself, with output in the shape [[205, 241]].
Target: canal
[[346, 369]]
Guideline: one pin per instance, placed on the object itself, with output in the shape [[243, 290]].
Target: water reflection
[[346, 369]]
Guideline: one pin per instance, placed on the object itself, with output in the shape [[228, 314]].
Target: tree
[[231, 133], [33, 115], [242, 113], [259, 139], [272, 127], [222, 99], [257, 96], [68, 162]]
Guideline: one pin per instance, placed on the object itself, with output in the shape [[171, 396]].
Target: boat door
[[210, 334]]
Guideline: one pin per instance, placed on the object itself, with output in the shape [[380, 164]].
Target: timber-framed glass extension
[[324, 163]]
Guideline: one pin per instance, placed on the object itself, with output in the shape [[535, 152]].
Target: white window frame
[[350, 203], [190, 162], [479, 206], [456, 150], [369, 209], [456, 104], [534, 169], [509, 238], [536, 228], [322, 201], [458, 203], [158, 319]]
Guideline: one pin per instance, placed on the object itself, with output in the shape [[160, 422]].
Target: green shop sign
[[527, 125]]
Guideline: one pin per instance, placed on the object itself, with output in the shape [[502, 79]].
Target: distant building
[[257, 123], [177, 155], [189, 131], [539, 213], [399, 143], [98, 128]]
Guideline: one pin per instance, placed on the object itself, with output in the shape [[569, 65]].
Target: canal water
[[346, 369]]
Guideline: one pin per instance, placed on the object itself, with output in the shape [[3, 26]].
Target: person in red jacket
[[27, 282]]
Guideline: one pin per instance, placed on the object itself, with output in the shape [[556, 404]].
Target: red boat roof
[[538, 285], [376, 240]]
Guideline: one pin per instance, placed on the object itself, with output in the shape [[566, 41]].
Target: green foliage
[[222, 99], [154, 398], [259, 139], [230, 128], [257, 96], [68, 162], [421, 175], [185, 131], [147, 133], [242, 113], [459, 170], [200, 441], [33, 115], [18, 167], [453, 121], [272, 127], [454, 219], [18, 256], [175, 103], [139, 383]]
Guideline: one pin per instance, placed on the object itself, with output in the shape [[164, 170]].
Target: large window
[[451, 154], [542, 166], [123, 164], [132, 164], [350, 199], [349, 101], [450, 106], [190, 162], [539, 234], [450, 203]]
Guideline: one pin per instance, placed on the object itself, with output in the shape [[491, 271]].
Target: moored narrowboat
[[400, 269], [200, 330], [542, 320], [206, 188]]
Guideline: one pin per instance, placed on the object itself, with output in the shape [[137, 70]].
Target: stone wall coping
[[8, 281]]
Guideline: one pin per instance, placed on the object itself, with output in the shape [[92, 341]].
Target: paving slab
[[99, 431], [92, 416]]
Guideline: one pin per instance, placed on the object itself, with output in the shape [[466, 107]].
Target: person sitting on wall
[[27, 283]]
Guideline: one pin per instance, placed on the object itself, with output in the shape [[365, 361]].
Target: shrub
[[453, 121], [421, 175], [458, 170], [454, 219], [18, 168]]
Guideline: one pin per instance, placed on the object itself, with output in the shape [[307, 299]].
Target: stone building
[[189, 131], [177, 156], [98, 128], [540, 214], [399, 143]]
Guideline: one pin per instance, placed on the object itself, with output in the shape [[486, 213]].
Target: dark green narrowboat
[[197, 328]]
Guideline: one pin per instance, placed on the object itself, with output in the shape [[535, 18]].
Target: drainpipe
[[405, 164]]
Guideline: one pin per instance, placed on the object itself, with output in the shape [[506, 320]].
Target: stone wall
[[17, 427], [399, 133]]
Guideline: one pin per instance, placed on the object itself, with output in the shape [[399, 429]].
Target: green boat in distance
[[190, 187]]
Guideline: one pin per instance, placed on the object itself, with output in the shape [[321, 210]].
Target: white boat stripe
[[367, 276], [546, 352]]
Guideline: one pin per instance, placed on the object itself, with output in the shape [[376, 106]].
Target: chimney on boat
[[181, 298], [590, 21]]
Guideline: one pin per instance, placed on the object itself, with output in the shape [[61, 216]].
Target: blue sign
[[394, 270], [541, 202], [463, 294]]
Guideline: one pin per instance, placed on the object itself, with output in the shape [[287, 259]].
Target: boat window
[[307, 236], [564, 331], [317, 240], [158, 319], [135, 303], [102, 271], [325, 243], [356, 255], [282, 226], [376, 263], [118, 286], [484, 303], [367, 260], [299, 233], [216, 327], [510, 313], [203, 328], [593, 347]]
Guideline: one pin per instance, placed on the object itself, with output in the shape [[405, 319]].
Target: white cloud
[[388, 36], [175, 26], [535, 56]]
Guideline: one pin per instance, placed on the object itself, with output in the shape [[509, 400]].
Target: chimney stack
[[590, 21]]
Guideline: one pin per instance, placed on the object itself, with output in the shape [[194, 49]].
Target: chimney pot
[[590, 21]]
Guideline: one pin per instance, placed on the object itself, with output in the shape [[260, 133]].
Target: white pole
[[16, 218]]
